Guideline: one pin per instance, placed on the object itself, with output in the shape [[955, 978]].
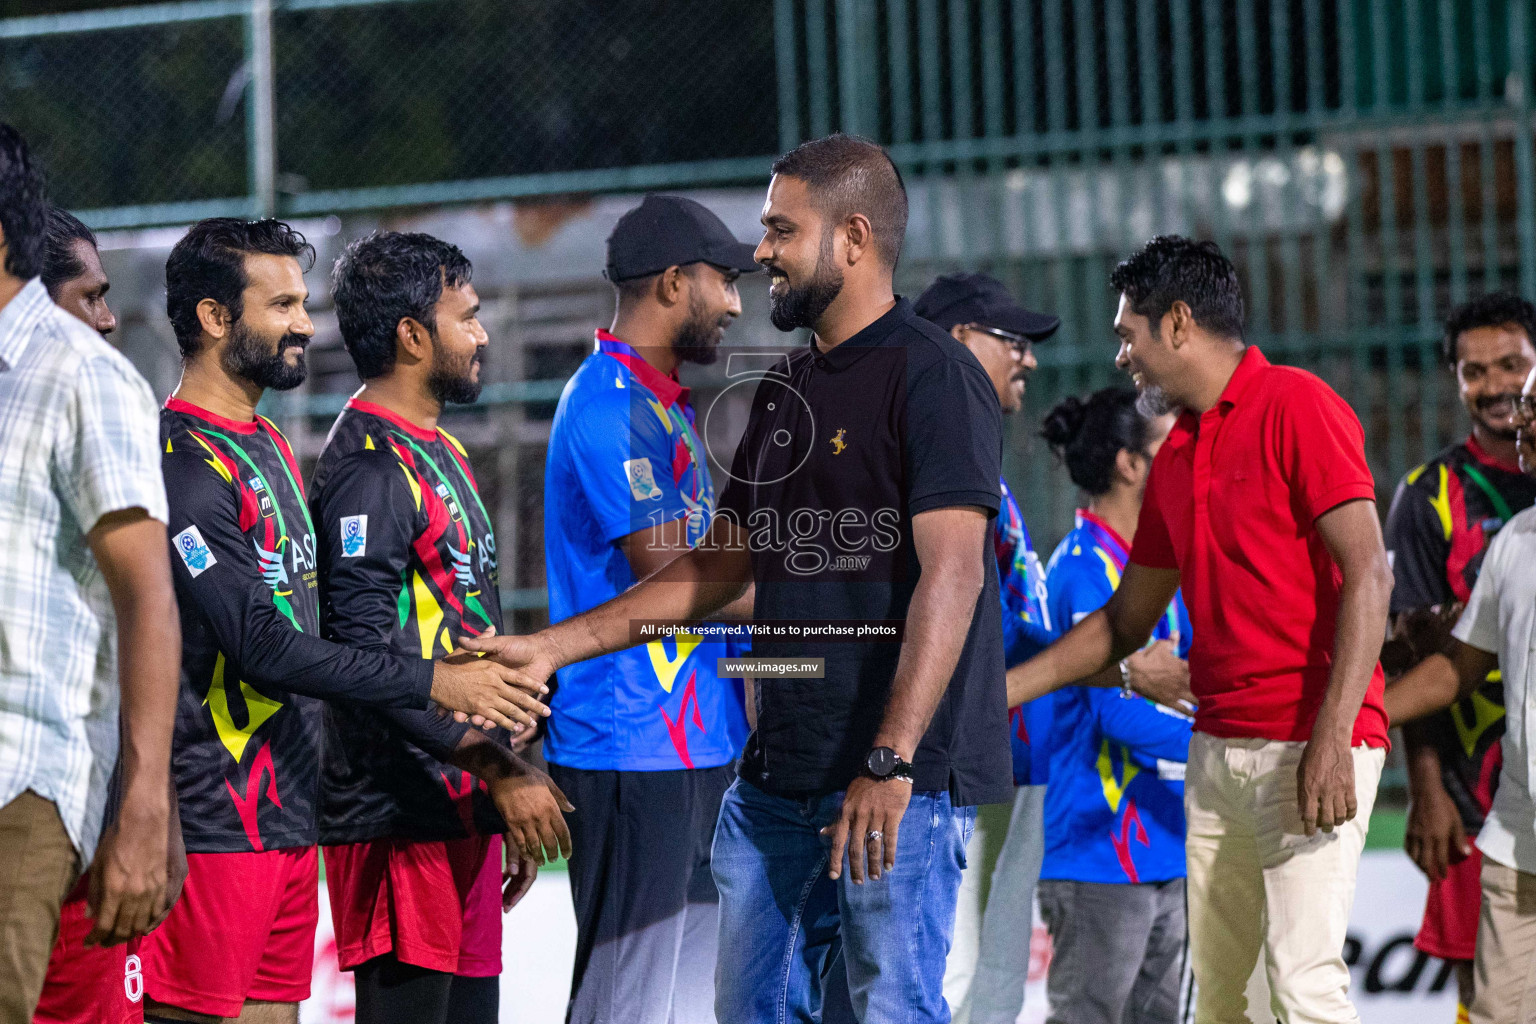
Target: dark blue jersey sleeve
[[224, 582], [368, 516]]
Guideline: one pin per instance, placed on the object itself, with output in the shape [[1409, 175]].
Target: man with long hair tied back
[[1112, 879]]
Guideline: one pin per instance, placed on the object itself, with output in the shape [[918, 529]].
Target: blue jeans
[[782, 916]]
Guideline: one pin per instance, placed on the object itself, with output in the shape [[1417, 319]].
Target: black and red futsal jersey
[[1442, 519], [408, 564], [246, 755]]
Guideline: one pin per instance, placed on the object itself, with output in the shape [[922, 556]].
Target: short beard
[[697, 340], [803, 306], [445, 385], [1152, 402], [248, 357]]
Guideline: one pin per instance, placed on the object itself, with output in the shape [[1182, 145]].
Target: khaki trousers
[[1257, 884], [1504, 990], [38, 867]]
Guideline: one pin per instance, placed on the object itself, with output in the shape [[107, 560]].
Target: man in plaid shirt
[[84, 577]]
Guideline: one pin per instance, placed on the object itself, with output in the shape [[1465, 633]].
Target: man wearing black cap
[[642, 741], [978, 312], [861, 492]]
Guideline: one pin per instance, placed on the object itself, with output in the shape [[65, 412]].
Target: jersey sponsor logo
[[463, 569], [194, 552], [303, 553], [642, 480], [263, 497], [837, 442], [354, 536], [448, 501], [271, 565]]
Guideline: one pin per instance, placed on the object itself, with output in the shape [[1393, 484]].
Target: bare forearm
[[1361, 625], [1423, 763], [1428, 687], [930, 651], [740, 609], [149, 664], [486, 759], [686, 590], [1085, 656]]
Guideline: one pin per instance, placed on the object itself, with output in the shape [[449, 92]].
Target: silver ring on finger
[[874, 835]]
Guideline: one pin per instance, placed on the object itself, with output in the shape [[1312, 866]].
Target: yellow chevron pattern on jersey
[[661, 413], [1110, 568], [1114, 788], [453, 441], [257, 710], [1442, 502], [215, 462], [429, 615], [410, 479], [368, 444], [1484, 714], [667, 668]]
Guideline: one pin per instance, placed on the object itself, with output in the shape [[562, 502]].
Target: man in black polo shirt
[[863, 489]]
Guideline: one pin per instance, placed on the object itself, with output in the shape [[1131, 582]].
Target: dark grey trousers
[[1118, 952]]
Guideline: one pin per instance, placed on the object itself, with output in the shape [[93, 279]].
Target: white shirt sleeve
[[1479, 623], [108, 456]]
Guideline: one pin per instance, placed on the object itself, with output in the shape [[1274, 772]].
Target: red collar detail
[[1248, 369], [374, 409], [1481, 455], [182, 405], [1114, 534], [666, 387]]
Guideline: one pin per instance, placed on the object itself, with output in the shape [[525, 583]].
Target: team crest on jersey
[[642, 480], [194, 552], [354, 536]]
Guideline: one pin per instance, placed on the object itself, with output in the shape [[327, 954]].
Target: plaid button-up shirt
[[79, 438]]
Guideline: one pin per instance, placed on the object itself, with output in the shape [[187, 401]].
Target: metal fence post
[[789, 86], [260, 127]]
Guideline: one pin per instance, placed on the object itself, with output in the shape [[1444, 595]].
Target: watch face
[[881, 761]]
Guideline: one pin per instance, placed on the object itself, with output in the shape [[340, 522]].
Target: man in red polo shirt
[[1262, 506]]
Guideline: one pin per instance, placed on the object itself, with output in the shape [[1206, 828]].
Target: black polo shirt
[[840, 452]]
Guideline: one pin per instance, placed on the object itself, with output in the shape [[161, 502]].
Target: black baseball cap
[[978, 299], [671, 231]]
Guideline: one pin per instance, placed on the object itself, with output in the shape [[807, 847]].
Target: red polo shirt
[[1231, 503]]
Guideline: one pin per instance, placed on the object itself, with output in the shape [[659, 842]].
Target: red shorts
[[244, 928], [1449, 930], [435, 905], [89, 986]]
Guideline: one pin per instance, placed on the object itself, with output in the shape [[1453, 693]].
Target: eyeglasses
[[1018, 341]]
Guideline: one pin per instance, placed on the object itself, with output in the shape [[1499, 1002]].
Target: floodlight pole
[[260, 127]]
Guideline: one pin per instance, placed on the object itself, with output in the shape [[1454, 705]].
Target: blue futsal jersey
[[1026, 632], [1114, 811], [623, 457]]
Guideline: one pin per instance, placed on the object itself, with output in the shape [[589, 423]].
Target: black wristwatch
[[884, 763]]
